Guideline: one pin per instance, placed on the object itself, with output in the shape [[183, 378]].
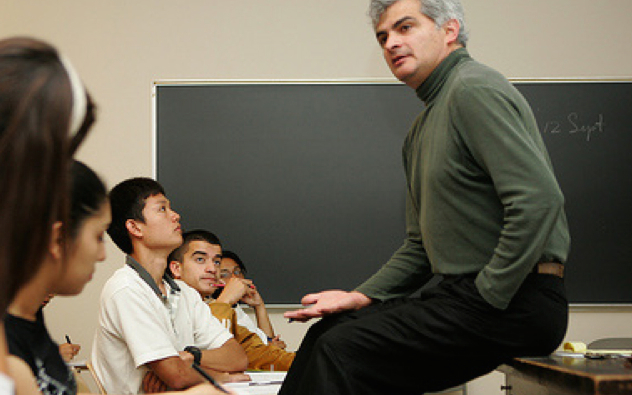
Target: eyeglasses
[[228, 274]]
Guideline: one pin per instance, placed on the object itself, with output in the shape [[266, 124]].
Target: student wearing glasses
[[232, 266]]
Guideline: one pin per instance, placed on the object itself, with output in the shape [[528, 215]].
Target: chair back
[[96, 378]]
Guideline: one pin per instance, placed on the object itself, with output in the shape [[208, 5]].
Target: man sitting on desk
[[196, 262], [151, 328], [483, 209]]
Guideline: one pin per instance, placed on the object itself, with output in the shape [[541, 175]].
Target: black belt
[[554, 268]]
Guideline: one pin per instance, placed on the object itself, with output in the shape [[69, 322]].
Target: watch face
[[197, 354]]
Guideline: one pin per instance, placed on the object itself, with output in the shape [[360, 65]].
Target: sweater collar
[[429, 89]]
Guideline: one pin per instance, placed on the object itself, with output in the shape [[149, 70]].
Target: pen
[[68, 339], [209, 378], [223, 285]]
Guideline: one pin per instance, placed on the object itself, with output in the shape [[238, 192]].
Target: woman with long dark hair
[[51, 224], [44, 115], [68, 265]]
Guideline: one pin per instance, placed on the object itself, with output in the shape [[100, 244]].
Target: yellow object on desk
[[577, 347]]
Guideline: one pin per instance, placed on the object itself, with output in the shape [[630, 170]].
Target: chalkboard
[[305, 181]]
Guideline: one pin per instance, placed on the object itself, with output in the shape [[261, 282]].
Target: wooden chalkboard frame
[[557, 126]]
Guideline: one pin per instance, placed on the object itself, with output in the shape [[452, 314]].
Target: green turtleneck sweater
[[482, 197]]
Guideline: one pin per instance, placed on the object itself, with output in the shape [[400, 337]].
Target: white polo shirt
[[6, 385], [137, 327]]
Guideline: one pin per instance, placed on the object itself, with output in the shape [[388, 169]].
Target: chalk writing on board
[[573, 126]]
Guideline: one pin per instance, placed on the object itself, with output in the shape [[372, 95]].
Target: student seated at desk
[[196, 262], [151, 328], [232, 266], [74, 249]]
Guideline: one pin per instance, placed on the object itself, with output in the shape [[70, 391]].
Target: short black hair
[[87, 194], [193, 235], [127, 200], [235, 257], [187, 237]]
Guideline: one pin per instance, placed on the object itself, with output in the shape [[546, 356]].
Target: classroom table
[[563, 375]]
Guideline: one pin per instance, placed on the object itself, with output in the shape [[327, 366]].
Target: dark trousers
[[444, 338]]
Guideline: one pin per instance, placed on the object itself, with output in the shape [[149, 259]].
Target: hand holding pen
[[68, 350]]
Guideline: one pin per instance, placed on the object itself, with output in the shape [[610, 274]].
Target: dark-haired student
[[197, 263], [232, 266], [151, 327], [73, 251], [45, 113], [75, 248]]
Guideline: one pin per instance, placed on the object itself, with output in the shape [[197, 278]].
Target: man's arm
[[253, 299], [230, 357], [244, 290], [161, 378], [260, 355], [502, 136], [220, 351], [175, 373], [234, 290], [407, 269], [328, 302]]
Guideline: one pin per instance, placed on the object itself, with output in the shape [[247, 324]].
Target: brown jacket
[[260, 356]]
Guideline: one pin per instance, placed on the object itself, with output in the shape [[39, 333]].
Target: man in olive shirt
[[484, 210]]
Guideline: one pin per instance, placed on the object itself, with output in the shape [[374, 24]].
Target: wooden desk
[[557, 375]]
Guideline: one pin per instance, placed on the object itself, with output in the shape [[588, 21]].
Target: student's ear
[[56, 248], [133, 229], [452, 29], [176, 269]]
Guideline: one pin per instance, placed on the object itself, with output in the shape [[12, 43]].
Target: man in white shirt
[[151, 327], [196, 262]]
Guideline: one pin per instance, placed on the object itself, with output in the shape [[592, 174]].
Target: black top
[[31, 342]]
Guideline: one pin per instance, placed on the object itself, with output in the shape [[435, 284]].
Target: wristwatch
[[197, 354]]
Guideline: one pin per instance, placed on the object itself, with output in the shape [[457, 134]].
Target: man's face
[[228, 269], [412, 45], [199, 266], [161, 229]]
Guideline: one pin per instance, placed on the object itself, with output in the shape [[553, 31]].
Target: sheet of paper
[[262, 383]]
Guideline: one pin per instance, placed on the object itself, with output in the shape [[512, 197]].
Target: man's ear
[[56, 245], [176, 269], [133, 229], [452, 29]]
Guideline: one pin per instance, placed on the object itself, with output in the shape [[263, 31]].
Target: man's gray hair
[[440, 11]]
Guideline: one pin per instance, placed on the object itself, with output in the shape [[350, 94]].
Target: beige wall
[[121, 46]]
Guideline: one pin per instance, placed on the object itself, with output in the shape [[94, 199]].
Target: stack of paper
[[262, 383]]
